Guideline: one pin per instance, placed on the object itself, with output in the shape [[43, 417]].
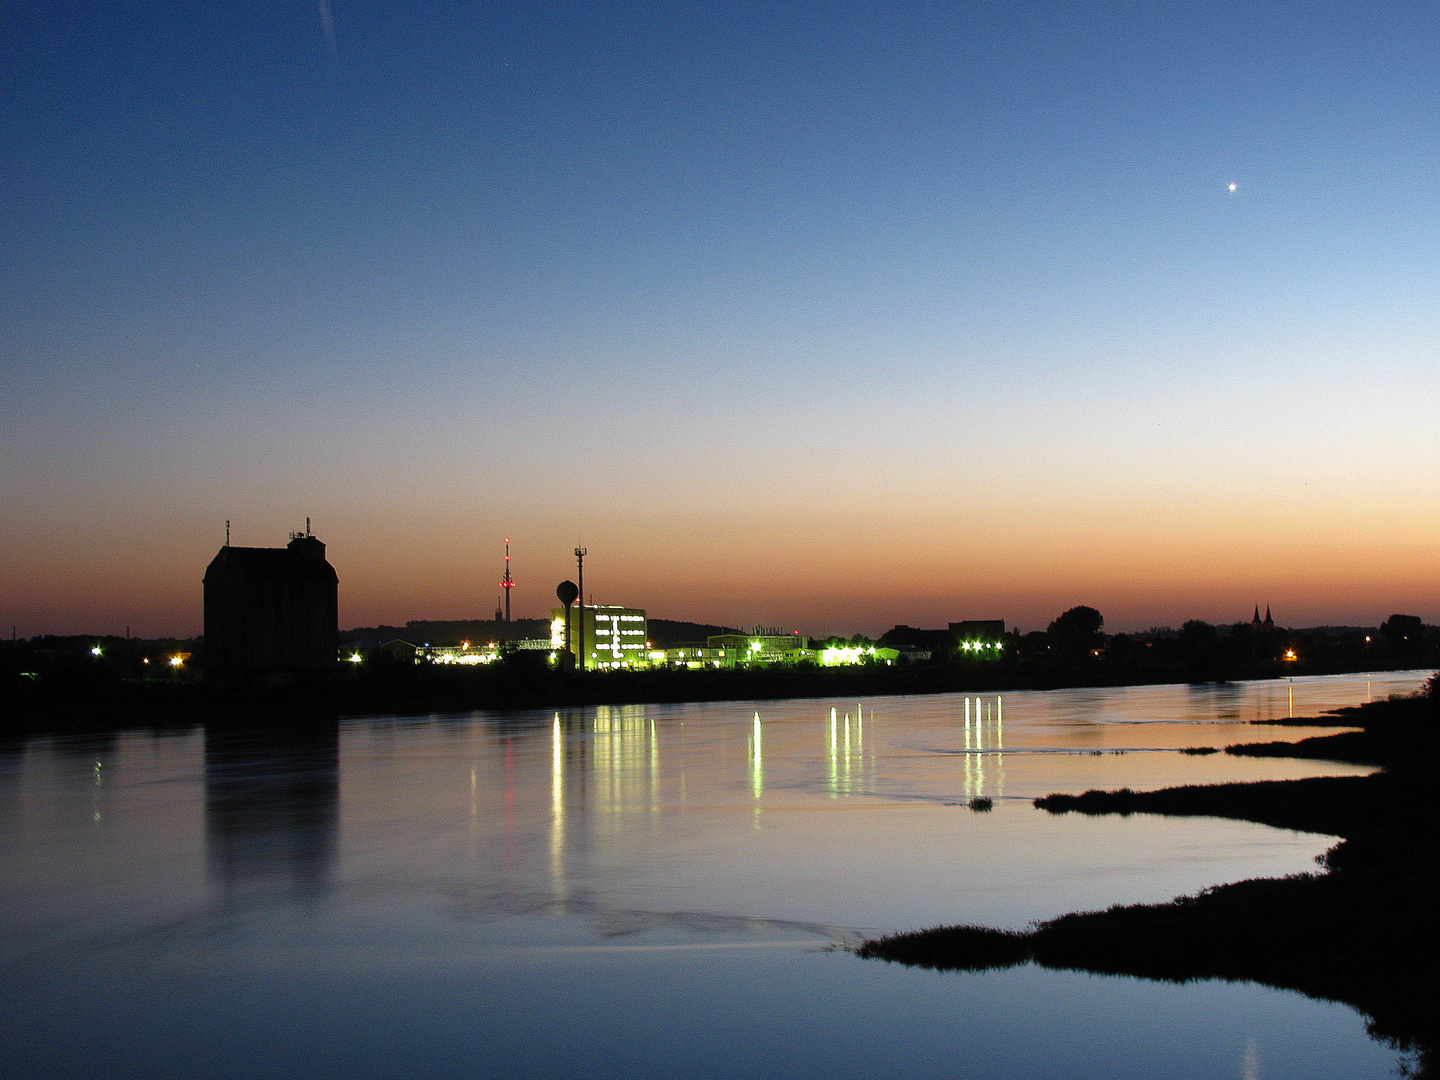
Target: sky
[[827, 316]]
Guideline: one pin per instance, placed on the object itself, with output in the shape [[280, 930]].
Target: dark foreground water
[[653, 891]]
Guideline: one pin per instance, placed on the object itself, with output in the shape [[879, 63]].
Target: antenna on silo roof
[[227, 538]]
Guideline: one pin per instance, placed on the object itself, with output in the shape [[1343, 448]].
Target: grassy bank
[[1362, 931]]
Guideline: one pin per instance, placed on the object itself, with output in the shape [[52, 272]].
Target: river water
[[646, 891]]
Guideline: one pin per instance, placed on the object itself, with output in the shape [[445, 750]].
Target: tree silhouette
[[1076, 632], [1403, 633]]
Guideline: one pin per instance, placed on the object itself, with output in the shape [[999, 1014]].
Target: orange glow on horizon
[[805, 566]]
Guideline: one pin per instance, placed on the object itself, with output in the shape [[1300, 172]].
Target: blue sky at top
[[985, 253]]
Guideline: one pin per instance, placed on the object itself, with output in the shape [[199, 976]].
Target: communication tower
[[507, 582], [580, 554]]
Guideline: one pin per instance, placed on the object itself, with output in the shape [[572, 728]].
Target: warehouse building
[[271, 614]]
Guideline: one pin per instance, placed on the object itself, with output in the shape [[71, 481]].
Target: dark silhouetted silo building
[[271, 614]]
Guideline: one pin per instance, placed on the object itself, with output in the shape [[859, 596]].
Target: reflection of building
[[615, 637], [272, 810], [605, 783], [271, 613]]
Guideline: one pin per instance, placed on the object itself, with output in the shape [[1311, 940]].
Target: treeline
[[106, 683], [69, 683], [97, 660], [1075, 649]]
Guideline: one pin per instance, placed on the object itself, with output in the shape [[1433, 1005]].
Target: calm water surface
[[646, 891]]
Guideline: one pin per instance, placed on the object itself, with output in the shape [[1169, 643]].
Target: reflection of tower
[[272, 811], [507, 582]]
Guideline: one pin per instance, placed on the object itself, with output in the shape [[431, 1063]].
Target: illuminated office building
[[615, 637]]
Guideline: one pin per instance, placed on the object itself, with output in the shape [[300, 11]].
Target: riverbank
[[1362, 932], [89, 700]]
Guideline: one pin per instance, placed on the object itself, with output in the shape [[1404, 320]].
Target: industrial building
[[979, 637], [471, 653], [762, 648], [466, 654], [842, 655], [614, 637], [693, 657], [271, 614]]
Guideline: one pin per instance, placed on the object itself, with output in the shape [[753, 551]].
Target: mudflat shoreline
[[1363, 930]]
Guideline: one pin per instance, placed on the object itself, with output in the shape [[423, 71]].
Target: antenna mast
[[580, 554], [507, 582]]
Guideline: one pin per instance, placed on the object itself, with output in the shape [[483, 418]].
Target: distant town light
[[95, 651], [355, 658], [176, 661]]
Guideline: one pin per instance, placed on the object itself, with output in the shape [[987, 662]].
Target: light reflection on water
[[546, 866]]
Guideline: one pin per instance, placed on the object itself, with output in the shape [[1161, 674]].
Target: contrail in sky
[[327, 21]]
